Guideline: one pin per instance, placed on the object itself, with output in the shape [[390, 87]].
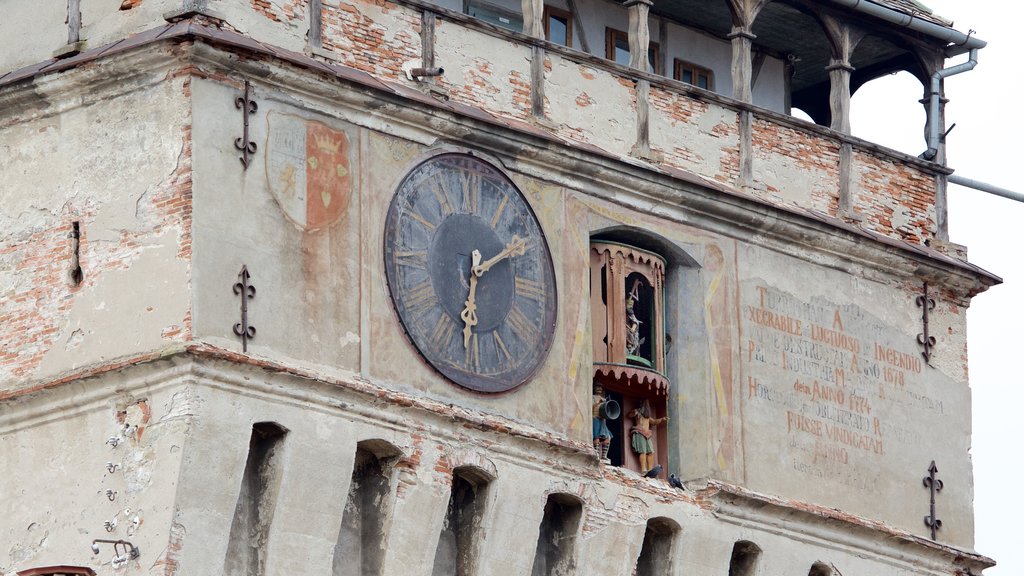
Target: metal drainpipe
[[960, 42], [954, 179], [935, 97]]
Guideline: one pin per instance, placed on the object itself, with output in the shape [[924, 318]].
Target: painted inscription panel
[[839, 404]]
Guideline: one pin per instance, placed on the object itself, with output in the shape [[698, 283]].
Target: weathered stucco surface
[[798, 391], [91, 455], [133, 213]]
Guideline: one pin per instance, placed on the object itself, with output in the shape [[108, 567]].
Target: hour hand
[[517, 247], [468, 314]]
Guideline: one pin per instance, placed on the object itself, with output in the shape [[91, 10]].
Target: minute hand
[[516, 247]]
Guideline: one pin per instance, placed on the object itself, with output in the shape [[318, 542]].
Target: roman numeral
[[442, 196], [504, 357], [442, 334], [521, 326], [411, 258], [420, 298], [470, 192], [530, 288], [416, 216], [497, 213], [473, 354]]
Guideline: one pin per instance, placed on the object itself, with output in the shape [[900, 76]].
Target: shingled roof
[[916, 9]]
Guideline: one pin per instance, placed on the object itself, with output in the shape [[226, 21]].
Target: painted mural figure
[[602, 435], [641, 433]]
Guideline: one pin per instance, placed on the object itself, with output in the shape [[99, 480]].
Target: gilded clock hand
[[468, 314], [517, 247]]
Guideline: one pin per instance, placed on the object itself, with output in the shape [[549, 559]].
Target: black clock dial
[[470, 273]]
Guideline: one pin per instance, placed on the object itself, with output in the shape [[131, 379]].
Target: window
[[359, 550], [744, 558], [656, 552], [494, 15], [460, 533], [693, 74], [558, 26], [257, 500], [819, 569], [556, 541], [627, 287], [616, 48]]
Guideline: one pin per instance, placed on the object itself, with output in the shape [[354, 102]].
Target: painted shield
[[308, 169]]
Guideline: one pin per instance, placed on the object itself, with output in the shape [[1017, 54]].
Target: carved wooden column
[[844, 39], [533, 25], [639, 33], [639, 45], [742, 66], [533, 18]]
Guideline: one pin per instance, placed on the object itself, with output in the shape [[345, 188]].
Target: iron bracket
[[933, 485], [248, 107], [925, 339], [246, 291]]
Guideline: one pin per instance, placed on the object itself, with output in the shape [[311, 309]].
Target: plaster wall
[[696, 135], [838, 404], [590, 105], [92, 455], [282, 23], [795, 168], [326, 422], [483, 70], [106, 21], [133, 212], [32, 32]]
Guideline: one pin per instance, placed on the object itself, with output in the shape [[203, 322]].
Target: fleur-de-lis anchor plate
[[248, 107], [246, 291], [925, 339], [933, 485]]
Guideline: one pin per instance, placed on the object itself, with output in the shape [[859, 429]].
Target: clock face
[[470, 273]]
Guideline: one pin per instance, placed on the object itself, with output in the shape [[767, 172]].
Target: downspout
[[935, 98], [982, 186], [959, 41]]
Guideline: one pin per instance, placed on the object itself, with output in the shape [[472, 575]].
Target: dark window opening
[[819, 569], [656, 552], [360, 547], [744, 558], [556, 543], [257, 499], [460, 534]]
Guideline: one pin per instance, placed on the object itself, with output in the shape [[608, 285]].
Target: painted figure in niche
[[641, 434], [633, 339], [602, 435]]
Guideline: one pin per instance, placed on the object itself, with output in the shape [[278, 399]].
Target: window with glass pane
[[495, 15], [617, 49], [558, 26], [693, 74]]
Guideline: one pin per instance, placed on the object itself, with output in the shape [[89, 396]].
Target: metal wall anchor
[[111, 467], [925, 339], [111, 495], [109, 525], [248, 106], [934, 485], [246, 291], [113, 441]]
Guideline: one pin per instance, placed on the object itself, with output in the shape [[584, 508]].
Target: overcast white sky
[[986, 106]]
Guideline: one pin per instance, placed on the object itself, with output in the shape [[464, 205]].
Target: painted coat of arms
[[308, 169]]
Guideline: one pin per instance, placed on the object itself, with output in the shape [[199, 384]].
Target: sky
[[984, 104]]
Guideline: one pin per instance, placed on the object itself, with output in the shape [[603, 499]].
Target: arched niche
[[673, 337]]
